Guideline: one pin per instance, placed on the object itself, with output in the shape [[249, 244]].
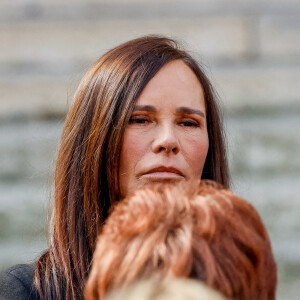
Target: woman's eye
[[189, 123], [138, 120]]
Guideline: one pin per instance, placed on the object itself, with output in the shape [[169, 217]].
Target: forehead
[[174, 84]]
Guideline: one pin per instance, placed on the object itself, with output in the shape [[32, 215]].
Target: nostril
[[166, 146]]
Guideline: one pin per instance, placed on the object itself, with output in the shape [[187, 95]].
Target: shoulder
[[17, 282]]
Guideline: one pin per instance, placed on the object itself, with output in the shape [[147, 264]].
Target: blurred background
[[249, 49]]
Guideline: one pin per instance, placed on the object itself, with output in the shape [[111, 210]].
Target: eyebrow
[[182, 109], [190, 111], [144, 108]]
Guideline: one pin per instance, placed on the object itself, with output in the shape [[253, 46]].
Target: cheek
[[195, 151], [133, 149]]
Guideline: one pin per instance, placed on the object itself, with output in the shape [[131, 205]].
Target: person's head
[[167, 289], [106, 147], [208, 234], [104, 151]]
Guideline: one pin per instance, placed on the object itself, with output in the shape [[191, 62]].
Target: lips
[[163, 172]]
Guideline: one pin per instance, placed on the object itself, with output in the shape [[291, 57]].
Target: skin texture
[[166, 139]]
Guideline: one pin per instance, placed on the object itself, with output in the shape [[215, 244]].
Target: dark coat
[[17, 283]]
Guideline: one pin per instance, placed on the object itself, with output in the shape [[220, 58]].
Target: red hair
[[208, 234]]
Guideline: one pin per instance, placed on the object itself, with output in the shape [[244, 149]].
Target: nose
[[165, 141]]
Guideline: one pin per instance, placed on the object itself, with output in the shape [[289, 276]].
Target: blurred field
[[250, 50]]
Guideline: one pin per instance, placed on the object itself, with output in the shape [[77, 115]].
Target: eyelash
[[189, 123], [138, 120], [145, 120]]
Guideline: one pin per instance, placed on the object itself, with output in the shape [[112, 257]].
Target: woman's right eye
[[138, 120]]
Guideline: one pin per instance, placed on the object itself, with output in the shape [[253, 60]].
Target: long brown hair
[[86, 176], [210, 235]]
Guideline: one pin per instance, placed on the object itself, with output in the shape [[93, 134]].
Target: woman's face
[[166, 139]]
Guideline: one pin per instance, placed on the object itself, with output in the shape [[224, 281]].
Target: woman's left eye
[[189, 123]]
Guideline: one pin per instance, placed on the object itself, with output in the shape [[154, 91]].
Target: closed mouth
[[164, 173]]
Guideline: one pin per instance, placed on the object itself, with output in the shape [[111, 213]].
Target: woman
[[144, 112], [207, 234]]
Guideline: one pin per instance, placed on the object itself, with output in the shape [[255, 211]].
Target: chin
[[147, 182]]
